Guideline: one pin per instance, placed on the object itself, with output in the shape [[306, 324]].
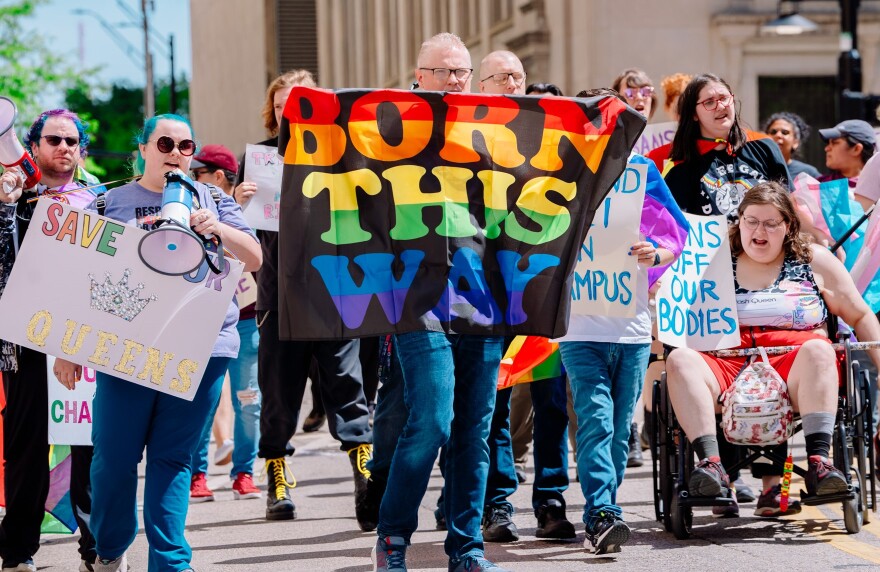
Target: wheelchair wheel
[[656, 472], [682, 517], [663, 454], [852, 510], [864, 447]]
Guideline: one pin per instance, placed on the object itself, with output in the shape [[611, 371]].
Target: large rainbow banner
[[407, 210]]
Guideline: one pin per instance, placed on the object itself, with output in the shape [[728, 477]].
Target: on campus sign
[[79, 290], [405, 211], [696, 303], [263, 166]]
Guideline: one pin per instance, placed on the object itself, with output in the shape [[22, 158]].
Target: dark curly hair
[[801, 129], [772, 193]]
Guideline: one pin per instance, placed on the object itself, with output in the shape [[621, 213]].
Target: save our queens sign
[[79, 290]]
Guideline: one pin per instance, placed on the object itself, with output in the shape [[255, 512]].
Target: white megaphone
[[174, 248], [12, 154]]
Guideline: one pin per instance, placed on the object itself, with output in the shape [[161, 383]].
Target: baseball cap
[[855, 129], [215, 156]]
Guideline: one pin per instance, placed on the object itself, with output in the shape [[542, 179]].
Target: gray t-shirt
[[140, 207]]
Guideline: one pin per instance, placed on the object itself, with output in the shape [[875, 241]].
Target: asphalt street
[[234, 535]]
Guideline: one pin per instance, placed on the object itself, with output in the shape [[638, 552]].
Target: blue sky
[[96, 47]]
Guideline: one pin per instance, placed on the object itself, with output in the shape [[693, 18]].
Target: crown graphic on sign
[[118, 299]]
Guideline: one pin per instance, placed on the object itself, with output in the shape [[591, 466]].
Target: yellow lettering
[[68, 335], [131, 350], [33, 335], [184, 369], [101, 348], [153, 368]]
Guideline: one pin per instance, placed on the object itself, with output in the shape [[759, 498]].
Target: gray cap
[[855, 129]]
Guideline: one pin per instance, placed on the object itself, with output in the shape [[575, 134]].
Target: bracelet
[[656, 258]]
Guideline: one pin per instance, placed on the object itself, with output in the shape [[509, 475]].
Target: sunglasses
[[55, 140], [166, 144], [645, 91]]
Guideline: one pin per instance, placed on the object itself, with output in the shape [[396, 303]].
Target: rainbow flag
[[527, 359], [59, 517]]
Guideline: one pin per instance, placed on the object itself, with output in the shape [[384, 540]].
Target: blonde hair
[[288, 79], [443, 39]]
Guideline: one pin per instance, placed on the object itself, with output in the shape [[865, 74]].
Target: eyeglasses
[[196, 173], [501, 78], [442, 74], [55, 140], [784, 132], [166, 144], [770, 226], [712, 104], [645, 91]]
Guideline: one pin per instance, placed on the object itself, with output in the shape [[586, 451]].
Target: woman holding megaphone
[[129, 418]]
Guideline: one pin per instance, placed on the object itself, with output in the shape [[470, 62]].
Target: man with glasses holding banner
[[58, 141]]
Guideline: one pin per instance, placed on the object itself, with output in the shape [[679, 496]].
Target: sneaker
[[823, 478], [243, 487], [198, 489], [727, 510], [118, 565], [498, 524], [708, 478], [223, 454], [609, 533], [769, 503], [365, 513], [314, 421], [634, 458], [440, 519], [279, 505], [86, 566], [26, 566], [552, 522], [520, 471], [389, 554], [744, 493], [473, 564]]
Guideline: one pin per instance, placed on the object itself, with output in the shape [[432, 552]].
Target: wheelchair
[[852, 453]]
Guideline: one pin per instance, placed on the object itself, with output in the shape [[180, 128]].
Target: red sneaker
[[243, 487], [198, 489]]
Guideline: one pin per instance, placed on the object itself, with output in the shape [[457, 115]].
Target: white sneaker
[[118, 565], [28, 566], [223, 454]]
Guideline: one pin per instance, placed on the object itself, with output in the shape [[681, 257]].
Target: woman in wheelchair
[[785, 288]]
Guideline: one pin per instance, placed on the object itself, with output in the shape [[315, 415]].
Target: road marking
[[836, 534]]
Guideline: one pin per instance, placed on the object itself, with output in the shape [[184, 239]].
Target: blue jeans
[[389, 419], [126, 418], [449, 390], [606, 379], [243, 385], [551, 447]]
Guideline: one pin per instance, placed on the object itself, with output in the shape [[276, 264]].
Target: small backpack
[[756, 409]]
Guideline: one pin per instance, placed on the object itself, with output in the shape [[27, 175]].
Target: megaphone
[[173, 248], [12, 154]]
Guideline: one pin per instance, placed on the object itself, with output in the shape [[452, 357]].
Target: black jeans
[[283, 370], [25, 446]]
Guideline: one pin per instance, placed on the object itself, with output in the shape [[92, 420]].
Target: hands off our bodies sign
[[696, 304], [605, 275], [405, 211], [79, 290]]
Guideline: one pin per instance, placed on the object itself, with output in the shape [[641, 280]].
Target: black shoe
[[708, 478], [609, 533], [634, 458], [498, 524], [552, 522], [440, 519], [367, 515], [823, 478], [744, 493], [314, 421], [279, 505], [375, 491], [647, 434]]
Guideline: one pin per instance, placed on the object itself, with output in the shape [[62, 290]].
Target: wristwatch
[[656, 258]]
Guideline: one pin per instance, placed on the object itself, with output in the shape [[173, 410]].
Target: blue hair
[[34, 134], [143, 136]]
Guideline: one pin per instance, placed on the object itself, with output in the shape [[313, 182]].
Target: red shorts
[[725, 369]]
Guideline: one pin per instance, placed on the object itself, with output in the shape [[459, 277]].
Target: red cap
[[215, 156]]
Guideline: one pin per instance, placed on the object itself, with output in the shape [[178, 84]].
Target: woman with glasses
[[127, 418], [789, 130], [780, 281], [638, 90]]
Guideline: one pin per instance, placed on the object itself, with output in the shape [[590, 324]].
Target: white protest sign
[[70, 411], [80, 291], [606, 276], [246, 291], [263, 166], [655, 135], [696, 305]]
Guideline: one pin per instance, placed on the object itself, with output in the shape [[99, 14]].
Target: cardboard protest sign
[[246, 291], [79, 290], [70, 411], [406, 210], [655, 135], [696, 304], [263, 166], [605, 276]]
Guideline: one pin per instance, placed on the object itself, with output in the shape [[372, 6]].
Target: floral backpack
[[756, 408]]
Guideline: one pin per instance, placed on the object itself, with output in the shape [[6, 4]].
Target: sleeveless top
[[792, 302]]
